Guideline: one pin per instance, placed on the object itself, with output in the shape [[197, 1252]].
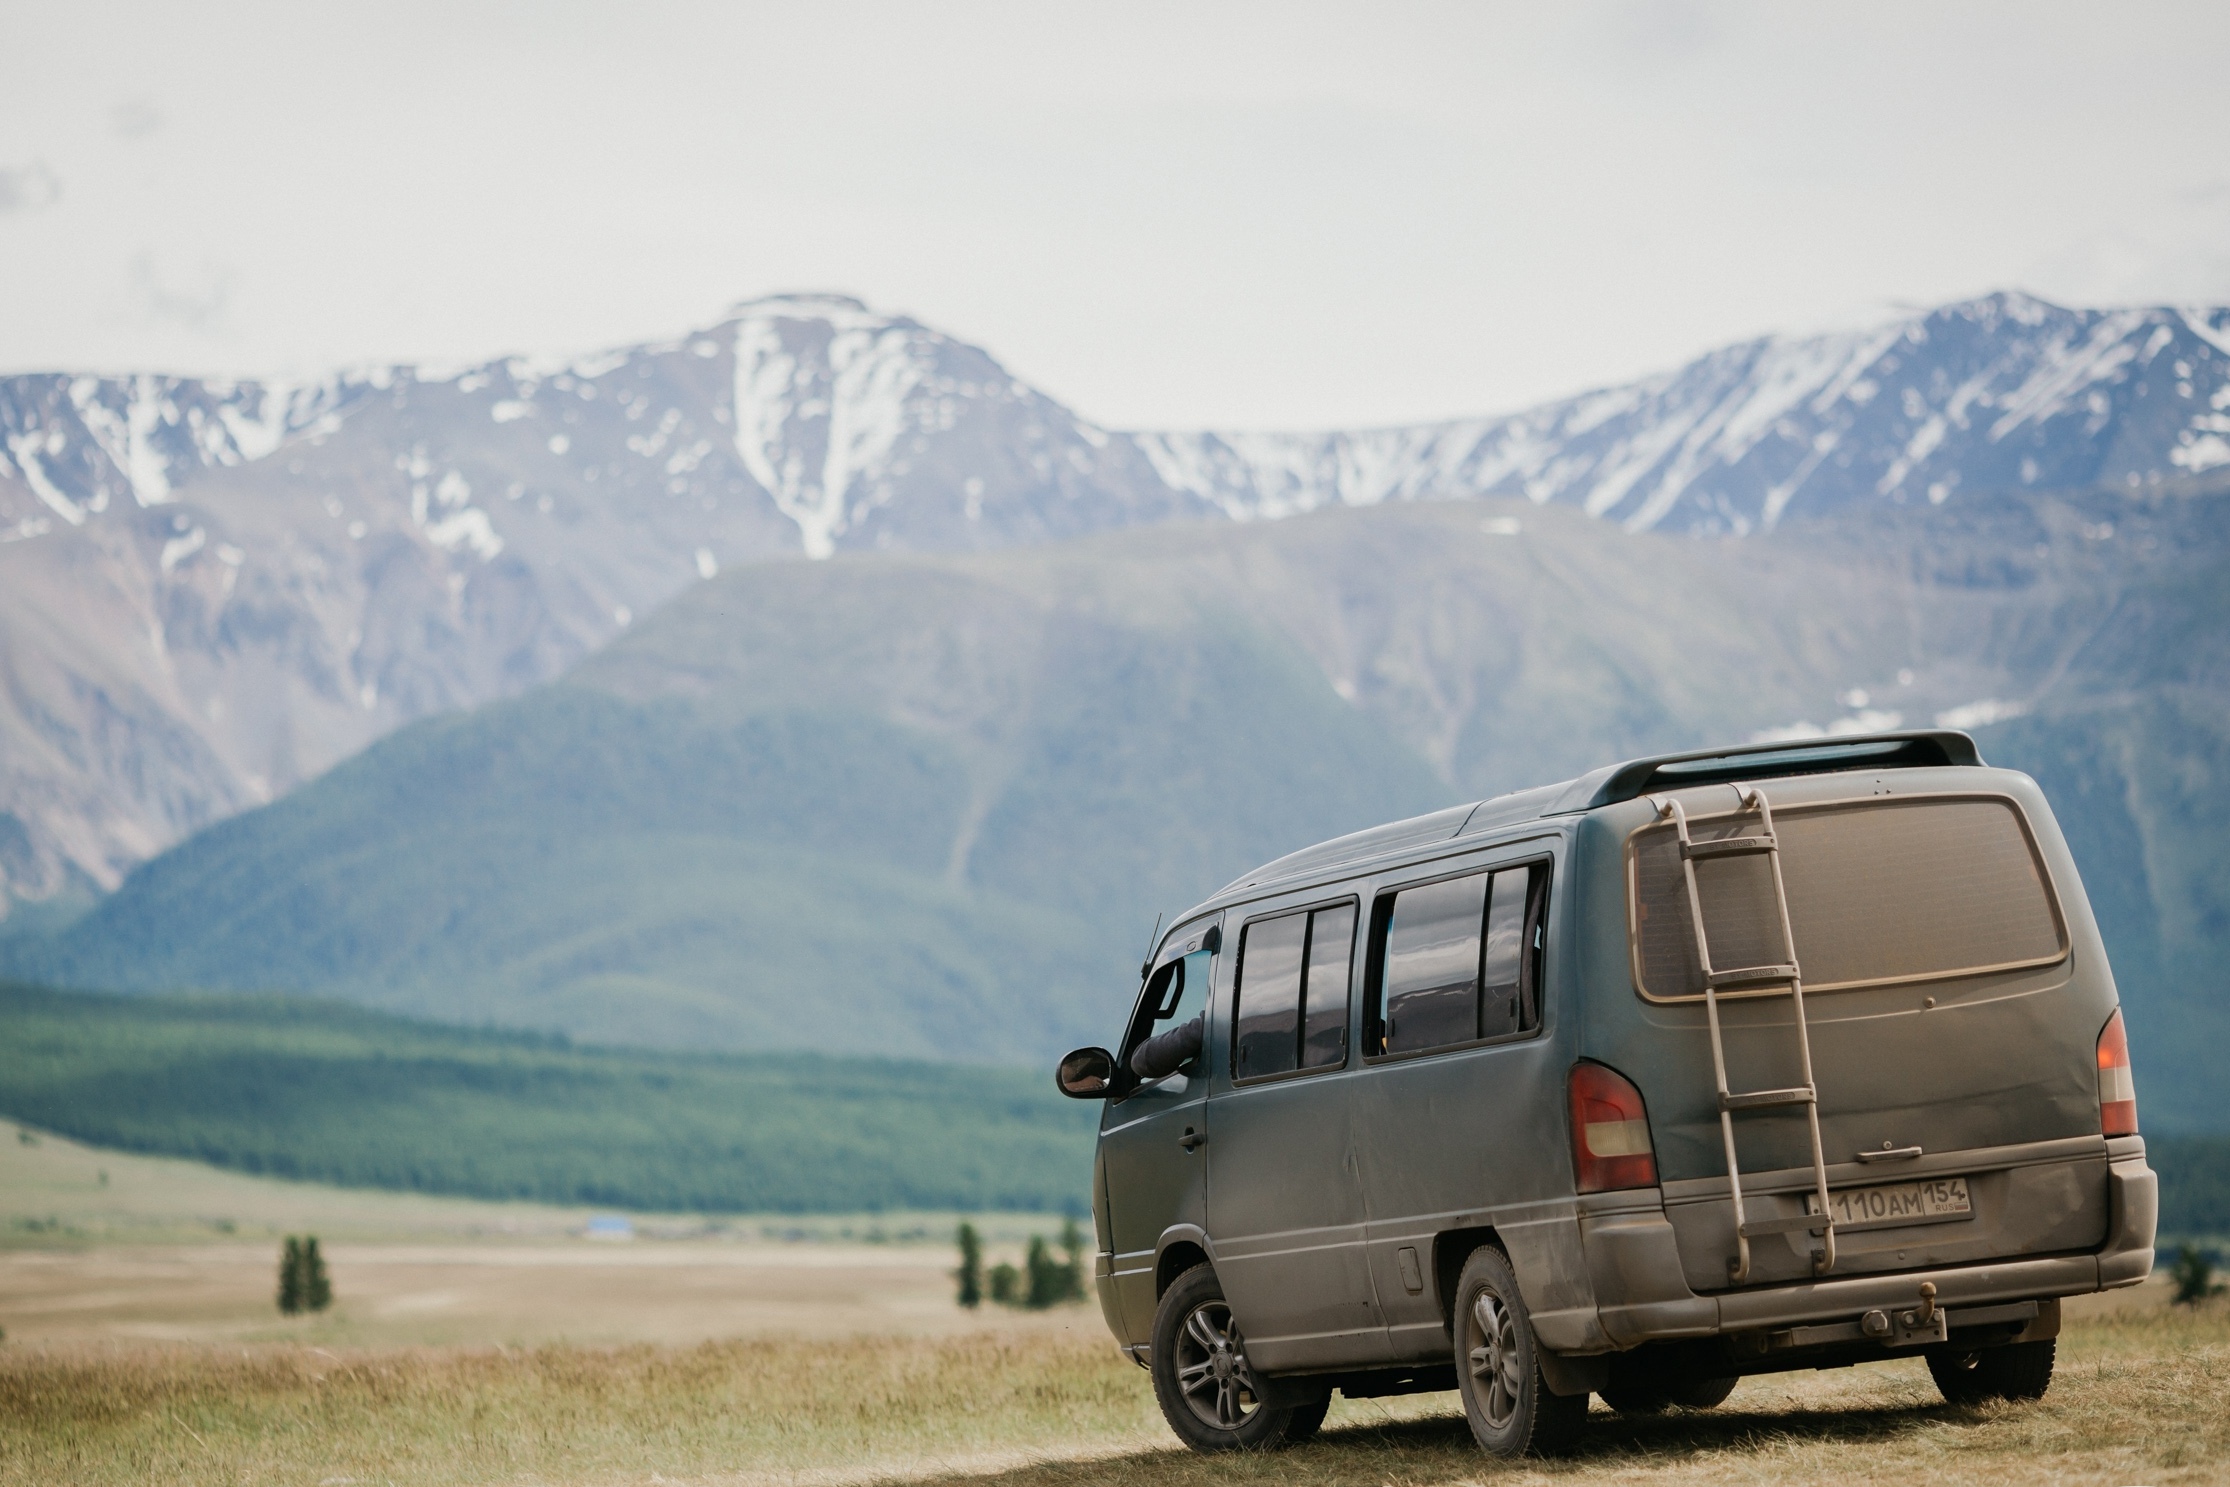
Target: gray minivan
[[1787, 1056]]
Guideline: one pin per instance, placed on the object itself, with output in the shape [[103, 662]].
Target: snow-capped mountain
[[1993, 394], [211, 590]]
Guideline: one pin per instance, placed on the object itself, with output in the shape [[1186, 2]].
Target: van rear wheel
[[2017, 1370], [1206, 1389], [1498, 1366]]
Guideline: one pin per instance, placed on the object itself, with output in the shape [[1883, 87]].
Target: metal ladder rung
[[1815, 1223], [1750, 976], [1731, 846], [1766, 1099]]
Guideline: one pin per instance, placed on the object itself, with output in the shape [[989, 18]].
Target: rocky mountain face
[[211, 591]]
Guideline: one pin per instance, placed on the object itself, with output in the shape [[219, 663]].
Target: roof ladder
[[1733, 1102]]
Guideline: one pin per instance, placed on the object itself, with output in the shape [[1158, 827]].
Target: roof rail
[[1918, 749]]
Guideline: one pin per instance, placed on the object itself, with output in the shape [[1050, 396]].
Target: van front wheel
[[1207, 1390], [2017, 1370], [1498, 1365]]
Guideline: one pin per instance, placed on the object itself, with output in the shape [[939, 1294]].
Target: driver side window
[[1175, 996]]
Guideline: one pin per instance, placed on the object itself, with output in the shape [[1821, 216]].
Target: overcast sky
[[1165, 215]]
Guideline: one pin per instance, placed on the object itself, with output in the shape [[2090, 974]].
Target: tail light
[[2117, 1087], [1610, 1131]]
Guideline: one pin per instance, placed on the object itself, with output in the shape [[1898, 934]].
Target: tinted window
[[1331, 952], [1457, 961], [1503, 959], [1880, 890], [1269, 996], [1292, 996], [1432, 964]]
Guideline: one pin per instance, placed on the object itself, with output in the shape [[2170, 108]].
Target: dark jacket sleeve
[[1166, 1053]]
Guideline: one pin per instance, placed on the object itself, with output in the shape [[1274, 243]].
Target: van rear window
[[1880, 891]]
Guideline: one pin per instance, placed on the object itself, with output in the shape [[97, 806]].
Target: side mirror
[[1087, 1074]]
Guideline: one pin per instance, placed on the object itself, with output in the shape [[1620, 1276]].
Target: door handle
[[1192, 1140]]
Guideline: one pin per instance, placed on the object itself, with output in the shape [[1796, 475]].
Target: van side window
[[1175, 995], [1331, 959], [1291, 1008], [1457, 961]]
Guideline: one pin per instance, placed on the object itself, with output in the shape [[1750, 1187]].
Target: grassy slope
[[331, 1093], [779, 853]]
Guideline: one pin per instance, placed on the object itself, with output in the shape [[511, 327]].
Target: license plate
[[1935, 1200]]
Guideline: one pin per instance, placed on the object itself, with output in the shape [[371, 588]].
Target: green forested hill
[[291, 1087], [927, 807], [296, 1088]]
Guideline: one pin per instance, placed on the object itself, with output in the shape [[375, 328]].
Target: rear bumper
[[1642, 1294]]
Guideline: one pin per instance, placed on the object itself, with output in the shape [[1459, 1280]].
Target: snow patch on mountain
[[822, 396]]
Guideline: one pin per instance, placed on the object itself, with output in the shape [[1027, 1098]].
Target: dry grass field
[[2143, 1396], [486, 1344]]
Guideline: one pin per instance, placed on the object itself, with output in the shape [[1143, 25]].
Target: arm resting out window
[[1166, 1053]]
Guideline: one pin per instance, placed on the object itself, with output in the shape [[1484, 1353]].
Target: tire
[[1498, 1367], [1702, 1394], [2017, 1370], [1655, 1393], [1207, 1393]]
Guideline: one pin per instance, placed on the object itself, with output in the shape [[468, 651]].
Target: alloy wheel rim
[[1212, 1371], [1493, 1358]]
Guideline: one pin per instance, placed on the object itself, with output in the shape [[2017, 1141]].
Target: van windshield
[[1880, 891]]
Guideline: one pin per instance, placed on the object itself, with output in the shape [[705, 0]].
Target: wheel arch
[[1451, 1251], [1180, 1251]]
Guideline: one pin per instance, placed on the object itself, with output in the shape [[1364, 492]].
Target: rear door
[[1954, 991]]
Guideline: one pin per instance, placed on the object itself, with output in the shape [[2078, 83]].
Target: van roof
[[1914, 749]]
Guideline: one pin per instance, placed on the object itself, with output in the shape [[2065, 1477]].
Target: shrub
[[2194, 1275]]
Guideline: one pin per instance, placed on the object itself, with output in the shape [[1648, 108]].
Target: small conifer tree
[[1048, 1277], [290, 1276], [317, 1286], [1006, 1284], [1072, 1244], [303, 1282], [970, 1273]]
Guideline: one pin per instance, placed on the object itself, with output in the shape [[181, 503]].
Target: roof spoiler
[[1920, 749]]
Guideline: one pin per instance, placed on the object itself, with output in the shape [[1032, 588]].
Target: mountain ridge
[[212, 590]]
